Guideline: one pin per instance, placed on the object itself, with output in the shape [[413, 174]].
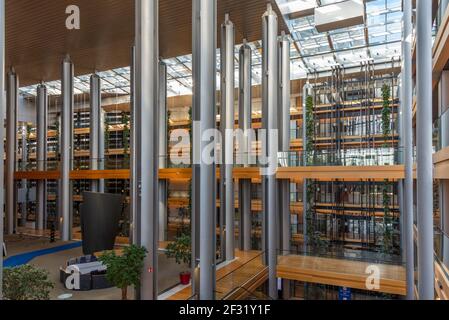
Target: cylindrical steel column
[[270, 87], [66, 148], [424, 151], [245, 123], [284, 147], [147, 129], [206, 101], [163, 159], [2, 110], [407, 126], [227, 120], [95, 128], [41, 128], [12, 86], [133, 190]]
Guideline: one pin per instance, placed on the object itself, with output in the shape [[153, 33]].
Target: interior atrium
[[225, 149]]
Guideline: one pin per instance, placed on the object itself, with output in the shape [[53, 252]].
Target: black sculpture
[[100, 216]]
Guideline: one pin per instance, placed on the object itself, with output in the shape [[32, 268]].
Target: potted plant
[[26, 283], [181, 251], [124, 270]]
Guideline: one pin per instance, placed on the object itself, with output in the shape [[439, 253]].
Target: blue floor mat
[[24, 258]]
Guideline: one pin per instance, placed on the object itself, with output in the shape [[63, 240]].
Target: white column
[[147, 126], [42, 117]]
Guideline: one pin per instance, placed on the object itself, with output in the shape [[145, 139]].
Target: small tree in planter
[[26, 283], [124, 270], [181, 251]]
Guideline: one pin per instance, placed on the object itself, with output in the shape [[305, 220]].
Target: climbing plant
[[310, 125], [387, 237], [107, 135], [386, 110]]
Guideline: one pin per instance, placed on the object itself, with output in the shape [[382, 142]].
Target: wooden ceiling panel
[[37, 38]]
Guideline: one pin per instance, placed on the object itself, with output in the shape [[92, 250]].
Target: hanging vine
[[386, 111], [310, 126], [387, 241], [107, 136]]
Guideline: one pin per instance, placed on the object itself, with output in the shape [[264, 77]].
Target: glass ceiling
[[378, 40]]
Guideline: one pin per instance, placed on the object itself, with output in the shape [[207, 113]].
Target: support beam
[[270, 87], [66, 151], [41, 128], [2, 112], [424, 151], [227, 121], [245, 122], [163, 157], [12, 86], [133, 190], [96, 131], [23, 183], [205, 67], [284, 148], [147, 125]]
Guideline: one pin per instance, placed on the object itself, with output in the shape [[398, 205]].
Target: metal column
[[66, 150], [424, 151], [24, 204], [245, 122], [408, 149], [96, 132], [284, 147], [204, 97], [2, 110], [133, 190], [270, 87], [147, 131], [227, 120], [41, 128], [12, 85], [195, 187], [163, 157]]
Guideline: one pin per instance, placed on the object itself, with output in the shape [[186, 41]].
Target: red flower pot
[[185, 278]]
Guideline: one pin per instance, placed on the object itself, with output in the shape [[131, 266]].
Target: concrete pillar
[[146, 126], [96, 132], [2, 110], [424, 151], [206, 101], [245, 123], [12, 86], [270, 87], [227, 120], [65, 195], [41, 128], [163, 158]]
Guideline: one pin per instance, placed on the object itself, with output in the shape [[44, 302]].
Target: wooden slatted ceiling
[[37, 39]]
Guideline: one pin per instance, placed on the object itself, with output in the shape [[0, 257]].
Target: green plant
[[180, 250], [387, 241], [124, 270], [386, 110], [26, 283], [310, 128]]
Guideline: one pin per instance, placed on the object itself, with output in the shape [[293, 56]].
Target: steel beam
[[96, 132], [227, 120], [424, 151], [206, 55], [245, 123], [66, 150], [163, 158], [270, 87], [147, 130], [41, 128]]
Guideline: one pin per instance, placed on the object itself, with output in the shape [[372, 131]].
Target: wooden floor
[[342, 273], [246, 266]]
